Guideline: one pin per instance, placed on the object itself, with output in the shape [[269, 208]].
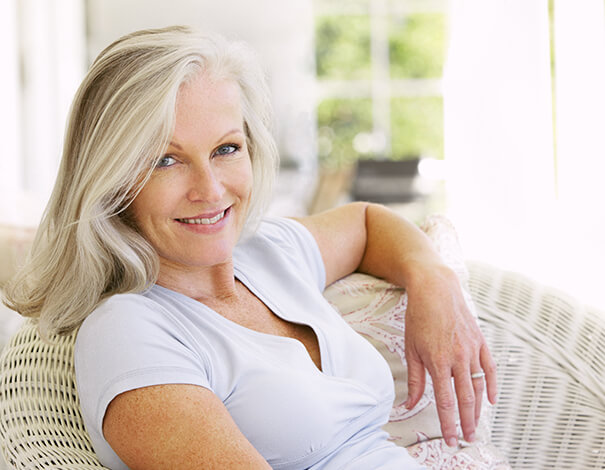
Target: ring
[[478, 375]]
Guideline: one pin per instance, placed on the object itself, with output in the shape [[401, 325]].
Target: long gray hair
[[121, 121]]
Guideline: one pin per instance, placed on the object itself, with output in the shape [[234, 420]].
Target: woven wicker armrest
[[550, 351], [41, 425]]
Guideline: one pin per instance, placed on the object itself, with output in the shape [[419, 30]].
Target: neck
[[206, 284]]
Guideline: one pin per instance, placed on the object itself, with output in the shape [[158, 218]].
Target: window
[[379, 66]]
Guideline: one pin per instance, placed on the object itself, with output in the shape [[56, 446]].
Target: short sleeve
[[131, 342]]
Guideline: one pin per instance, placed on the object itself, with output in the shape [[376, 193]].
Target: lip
[[206, 229], [206, 215]]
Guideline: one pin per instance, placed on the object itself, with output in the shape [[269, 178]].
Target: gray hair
[[121, 121]]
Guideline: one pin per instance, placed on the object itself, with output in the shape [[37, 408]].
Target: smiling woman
[[194, 205], [117, 130], [203, 338]]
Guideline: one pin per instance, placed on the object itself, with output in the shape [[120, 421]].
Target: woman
[[205, 341]]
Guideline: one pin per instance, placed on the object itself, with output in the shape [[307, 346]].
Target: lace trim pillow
[[376, 310]]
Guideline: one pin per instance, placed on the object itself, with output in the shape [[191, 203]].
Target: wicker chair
[[550, 351]]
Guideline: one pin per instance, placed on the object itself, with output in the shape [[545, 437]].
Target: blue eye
[[227, 149], [165, 161]]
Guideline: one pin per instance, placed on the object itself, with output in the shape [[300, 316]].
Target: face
[[193, 208]]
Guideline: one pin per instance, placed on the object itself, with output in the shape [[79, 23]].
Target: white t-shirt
[[295, 415]]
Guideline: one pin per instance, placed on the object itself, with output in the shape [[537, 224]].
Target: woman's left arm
[[441, 335]]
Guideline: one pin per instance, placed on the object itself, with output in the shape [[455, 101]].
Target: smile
[[204, 221]]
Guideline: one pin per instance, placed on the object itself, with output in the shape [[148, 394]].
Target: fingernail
[[471, 437], [452, 442]]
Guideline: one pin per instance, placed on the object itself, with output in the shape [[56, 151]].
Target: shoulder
[[133, 324], [121, 306], [280, 231], [129, 333], [282, 243], [130, 341], [117, 317]]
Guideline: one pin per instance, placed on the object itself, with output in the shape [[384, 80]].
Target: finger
[[465, 393], [416, 382], [489, 367], [478, 387], [446, 407]]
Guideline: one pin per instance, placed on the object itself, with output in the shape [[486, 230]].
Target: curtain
[[579, 53], [498, 121], [514, 202]]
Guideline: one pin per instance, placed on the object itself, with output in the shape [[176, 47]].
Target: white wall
[[10, 173], [43, 61]]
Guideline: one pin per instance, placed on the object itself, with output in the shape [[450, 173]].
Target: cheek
[[249, 182], [151, 202], [247, 192], [238, 179], [140, 208], [248, 177]]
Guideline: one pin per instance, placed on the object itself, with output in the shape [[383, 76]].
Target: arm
[[176, 426], [440, 333]]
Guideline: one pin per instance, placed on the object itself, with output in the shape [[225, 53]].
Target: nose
[[205, 184]]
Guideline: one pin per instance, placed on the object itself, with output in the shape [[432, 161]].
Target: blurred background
[[488, 111]]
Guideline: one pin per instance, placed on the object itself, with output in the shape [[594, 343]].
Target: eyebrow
[[232, 131]]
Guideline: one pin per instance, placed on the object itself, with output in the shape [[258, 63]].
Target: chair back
[[41, 425]]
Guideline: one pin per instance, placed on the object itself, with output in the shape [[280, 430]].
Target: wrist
[[427, 271]]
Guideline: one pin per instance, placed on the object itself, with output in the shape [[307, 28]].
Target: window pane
[[340, 121], [417, 127], [417, 45], [343, 47]]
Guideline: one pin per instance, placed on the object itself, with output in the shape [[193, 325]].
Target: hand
[[442, 336]]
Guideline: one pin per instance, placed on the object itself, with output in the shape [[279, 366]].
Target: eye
[[165, 161], [227, 149]]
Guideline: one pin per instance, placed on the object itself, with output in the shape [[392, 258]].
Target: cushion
[[14, 246], [9, 323], [376, 309]]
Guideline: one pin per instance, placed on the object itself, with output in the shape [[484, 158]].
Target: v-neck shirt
[[295, 415]]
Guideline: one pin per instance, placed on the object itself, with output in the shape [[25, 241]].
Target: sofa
[[549, 349]]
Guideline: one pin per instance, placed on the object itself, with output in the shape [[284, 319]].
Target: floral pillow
[[376, 310]]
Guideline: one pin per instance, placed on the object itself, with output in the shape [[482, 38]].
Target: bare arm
[[375, 240], [177, 426], [440, 335]]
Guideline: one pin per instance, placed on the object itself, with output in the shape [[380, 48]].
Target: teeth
[[204, 221]]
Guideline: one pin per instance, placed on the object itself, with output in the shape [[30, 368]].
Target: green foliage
[[340, 120], [417, 49], [417, 45], [342, 48], [416, 127]]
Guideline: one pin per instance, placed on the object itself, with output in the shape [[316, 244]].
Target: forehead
[[209, 89], [208, 102]]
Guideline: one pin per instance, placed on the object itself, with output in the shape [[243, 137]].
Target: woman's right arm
[[177, 426]]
